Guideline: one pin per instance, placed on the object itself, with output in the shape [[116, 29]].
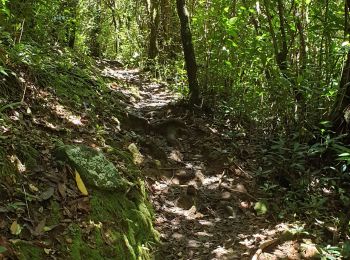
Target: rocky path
[[198, 184]]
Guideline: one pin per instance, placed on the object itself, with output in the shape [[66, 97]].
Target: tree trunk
[[95, 46], [154, 26], [340, 115], [188, 49], [112, 6]]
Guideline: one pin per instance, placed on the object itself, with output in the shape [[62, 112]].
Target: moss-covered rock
[[93, 167], [121, 218], [132, 230]]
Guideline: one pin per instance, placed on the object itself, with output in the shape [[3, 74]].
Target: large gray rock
[[93, 167]]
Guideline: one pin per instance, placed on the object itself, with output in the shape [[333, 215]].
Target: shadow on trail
[[195, 167], [200, 194]]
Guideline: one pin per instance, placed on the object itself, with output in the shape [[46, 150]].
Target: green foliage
[[2, 249], [68, 74], [260, 208], [330, 252], [238, 62], [28, 251], [274, 67], [136, 234], [4, 11], [287, 158]]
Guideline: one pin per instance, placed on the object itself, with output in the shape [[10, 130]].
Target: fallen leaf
[[2, 225], [62, 189], [176, 156], [84, 205], [5, 247], [80, 183], [39, 229], [33, 188], [47, 251], [47, 194], [4, 210], [15, 228], [49, 228]]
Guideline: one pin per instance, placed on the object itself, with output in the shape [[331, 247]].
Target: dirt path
[[198, 171], [199, 188]]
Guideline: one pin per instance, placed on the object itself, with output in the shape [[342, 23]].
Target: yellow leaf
[[33, 188], [80, 183], [15, 228]]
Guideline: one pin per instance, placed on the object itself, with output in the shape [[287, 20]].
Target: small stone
[[226, 195], [230, 211]]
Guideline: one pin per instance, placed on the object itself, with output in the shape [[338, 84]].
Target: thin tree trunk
[[72, 31], [272, 32], [154, 26], [188, 49], [282, 55], [95, 46], [112, 6], [340, 115], [300, 20], [253, 19]]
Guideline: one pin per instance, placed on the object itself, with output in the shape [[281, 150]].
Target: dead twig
[[239, 191], [241, 169], [25, 197], [171, 169], [221, 177], [265, 245]]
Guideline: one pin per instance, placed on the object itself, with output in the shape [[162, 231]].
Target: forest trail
[[198, 170], [140, 130], [202, 195]]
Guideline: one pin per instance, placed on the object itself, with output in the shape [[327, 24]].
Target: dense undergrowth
[[307, 182]]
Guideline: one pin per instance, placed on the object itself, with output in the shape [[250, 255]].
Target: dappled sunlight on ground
[[58, 112], [196, 192], [62, 112], [203, 196], [198, 179]]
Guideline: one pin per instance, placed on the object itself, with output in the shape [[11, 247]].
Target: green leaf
[[6, 11], [346, 249], [2, 71], [2, 249], [260, 208]]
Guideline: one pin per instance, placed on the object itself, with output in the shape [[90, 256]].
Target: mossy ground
[[120, 229], [117, 225], [30, 251]]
